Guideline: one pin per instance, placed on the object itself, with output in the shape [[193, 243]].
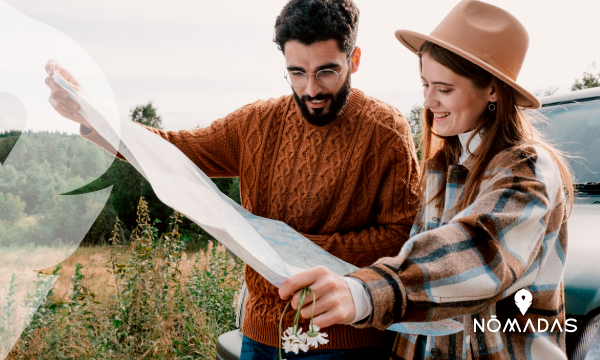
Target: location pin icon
[[523, 300]]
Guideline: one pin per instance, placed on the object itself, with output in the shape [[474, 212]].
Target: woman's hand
[[334, 303], [59, 97]]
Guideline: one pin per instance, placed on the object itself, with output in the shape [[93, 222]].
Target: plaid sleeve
[[465, 265]]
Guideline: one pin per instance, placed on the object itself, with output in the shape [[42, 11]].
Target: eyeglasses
[[325, 77]]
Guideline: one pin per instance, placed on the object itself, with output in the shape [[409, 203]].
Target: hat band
[[480, 54]]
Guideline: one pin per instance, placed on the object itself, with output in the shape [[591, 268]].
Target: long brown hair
[[505, 128]]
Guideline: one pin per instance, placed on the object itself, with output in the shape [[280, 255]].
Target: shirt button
[[387, 318], [435, 352]]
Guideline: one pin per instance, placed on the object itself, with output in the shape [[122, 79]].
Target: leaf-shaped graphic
[[39, 227]]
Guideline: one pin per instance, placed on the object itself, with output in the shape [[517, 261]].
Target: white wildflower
[[294, 342], [314, 337]]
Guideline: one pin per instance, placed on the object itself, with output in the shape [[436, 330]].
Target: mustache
[[318, 97]]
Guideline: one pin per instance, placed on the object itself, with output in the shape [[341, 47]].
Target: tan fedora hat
[[485, 35]]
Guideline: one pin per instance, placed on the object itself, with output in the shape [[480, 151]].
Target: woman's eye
[[425, 85], [444, 91]]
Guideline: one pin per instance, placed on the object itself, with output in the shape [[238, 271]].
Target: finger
[[308, 298], [50, 67], [70, 80], [49, 81], [322, 305], [60, 94], [61, 108], [68, 112], [66, 74], [327, 319], [300, 281], [66, 102]]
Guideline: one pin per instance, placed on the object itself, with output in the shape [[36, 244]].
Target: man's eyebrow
[[438, 82], [330, 65], [295, 68]]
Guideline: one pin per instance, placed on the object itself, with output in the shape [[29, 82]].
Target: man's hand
[[334, 303], [58, 96]]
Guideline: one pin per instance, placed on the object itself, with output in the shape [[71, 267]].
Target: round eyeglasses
[[326, 77]]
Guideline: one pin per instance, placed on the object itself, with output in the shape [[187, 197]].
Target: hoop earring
[[492, 106]]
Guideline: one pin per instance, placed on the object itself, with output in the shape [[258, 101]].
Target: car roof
[[579, 95]]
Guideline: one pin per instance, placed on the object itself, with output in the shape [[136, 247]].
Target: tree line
[[47, 162]]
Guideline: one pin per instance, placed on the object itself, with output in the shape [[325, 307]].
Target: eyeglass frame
[[286, 73]]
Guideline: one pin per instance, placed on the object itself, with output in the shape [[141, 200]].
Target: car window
[[574, 127]]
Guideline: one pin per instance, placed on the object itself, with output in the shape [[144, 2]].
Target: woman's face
[[456, 103]]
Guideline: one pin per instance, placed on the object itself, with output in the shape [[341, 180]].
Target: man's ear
[[355, 57]]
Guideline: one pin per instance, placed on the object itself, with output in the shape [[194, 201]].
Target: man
[[333, 163]]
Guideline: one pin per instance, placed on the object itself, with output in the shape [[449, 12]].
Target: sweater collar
[[355, 99]]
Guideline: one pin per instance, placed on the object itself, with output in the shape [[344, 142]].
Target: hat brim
[[413, 41]]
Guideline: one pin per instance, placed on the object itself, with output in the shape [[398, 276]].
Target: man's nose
[[313, 88]]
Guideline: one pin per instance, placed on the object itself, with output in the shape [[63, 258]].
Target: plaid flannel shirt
[[468, 265]]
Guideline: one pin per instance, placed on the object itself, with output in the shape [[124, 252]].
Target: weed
[[154, 310]]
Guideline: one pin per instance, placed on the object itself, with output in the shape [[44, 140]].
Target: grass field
[[145, 300]]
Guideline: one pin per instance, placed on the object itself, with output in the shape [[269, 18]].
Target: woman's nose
[[429, 101]]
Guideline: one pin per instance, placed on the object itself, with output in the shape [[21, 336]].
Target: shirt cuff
[[361, 298]]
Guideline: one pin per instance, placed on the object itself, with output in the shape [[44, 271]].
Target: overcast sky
[[199, 60]]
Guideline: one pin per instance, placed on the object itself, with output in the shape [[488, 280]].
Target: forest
[[48, 162]]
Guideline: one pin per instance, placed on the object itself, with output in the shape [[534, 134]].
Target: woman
[[495, 198]]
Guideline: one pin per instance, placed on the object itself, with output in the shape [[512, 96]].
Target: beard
[[318, 117]]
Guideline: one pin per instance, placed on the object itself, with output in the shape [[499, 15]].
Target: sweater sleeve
[[214, 149], [394, 211], [472, 261]]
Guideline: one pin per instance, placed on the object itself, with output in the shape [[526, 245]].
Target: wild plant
[[155, 310]]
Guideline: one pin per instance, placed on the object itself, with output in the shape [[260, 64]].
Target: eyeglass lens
[[325, 77]]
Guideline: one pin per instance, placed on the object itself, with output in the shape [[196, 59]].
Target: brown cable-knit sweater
[[349, 186]]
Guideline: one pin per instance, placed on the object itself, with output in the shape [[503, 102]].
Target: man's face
[[320, 104]]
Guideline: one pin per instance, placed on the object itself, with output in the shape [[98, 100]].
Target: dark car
[[574, 126], [572, 122]]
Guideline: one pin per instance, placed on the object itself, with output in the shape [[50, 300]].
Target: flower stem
[[300, 304], [281, 328], [312, 315]]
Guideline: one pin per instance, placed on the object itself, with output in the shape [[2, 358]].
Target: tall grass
[[160, 306]]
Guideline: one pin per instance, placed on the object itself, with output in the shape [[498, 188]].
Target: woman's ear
[[492, 97]]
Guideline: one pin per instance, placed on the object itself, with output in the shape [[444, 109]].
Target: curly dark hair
[[311, 21]]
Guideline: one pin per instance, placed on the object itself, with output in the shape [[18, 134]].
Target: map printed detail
[[270, 247], [294, 248]]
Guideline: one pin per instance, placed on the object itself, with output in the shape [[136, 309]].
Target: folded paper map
[[272, 248]]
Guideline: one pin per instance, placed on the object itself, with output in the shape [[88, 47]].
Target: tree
[[11, 208], [146, 115], [414, 121], [588, 80]]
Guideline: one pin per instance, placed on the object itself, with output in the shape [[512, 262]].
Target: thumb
[[74, 85]]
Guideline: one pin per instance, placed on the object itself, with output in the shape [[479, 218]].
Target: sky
[[199, 60]]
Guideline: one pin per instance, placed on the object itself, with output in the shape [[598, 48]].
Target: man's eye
[[327, 73], [296, 73]]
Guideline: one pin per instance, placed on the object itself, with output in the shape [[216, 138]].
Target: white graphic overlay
[[523, 299], [39, 225]]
